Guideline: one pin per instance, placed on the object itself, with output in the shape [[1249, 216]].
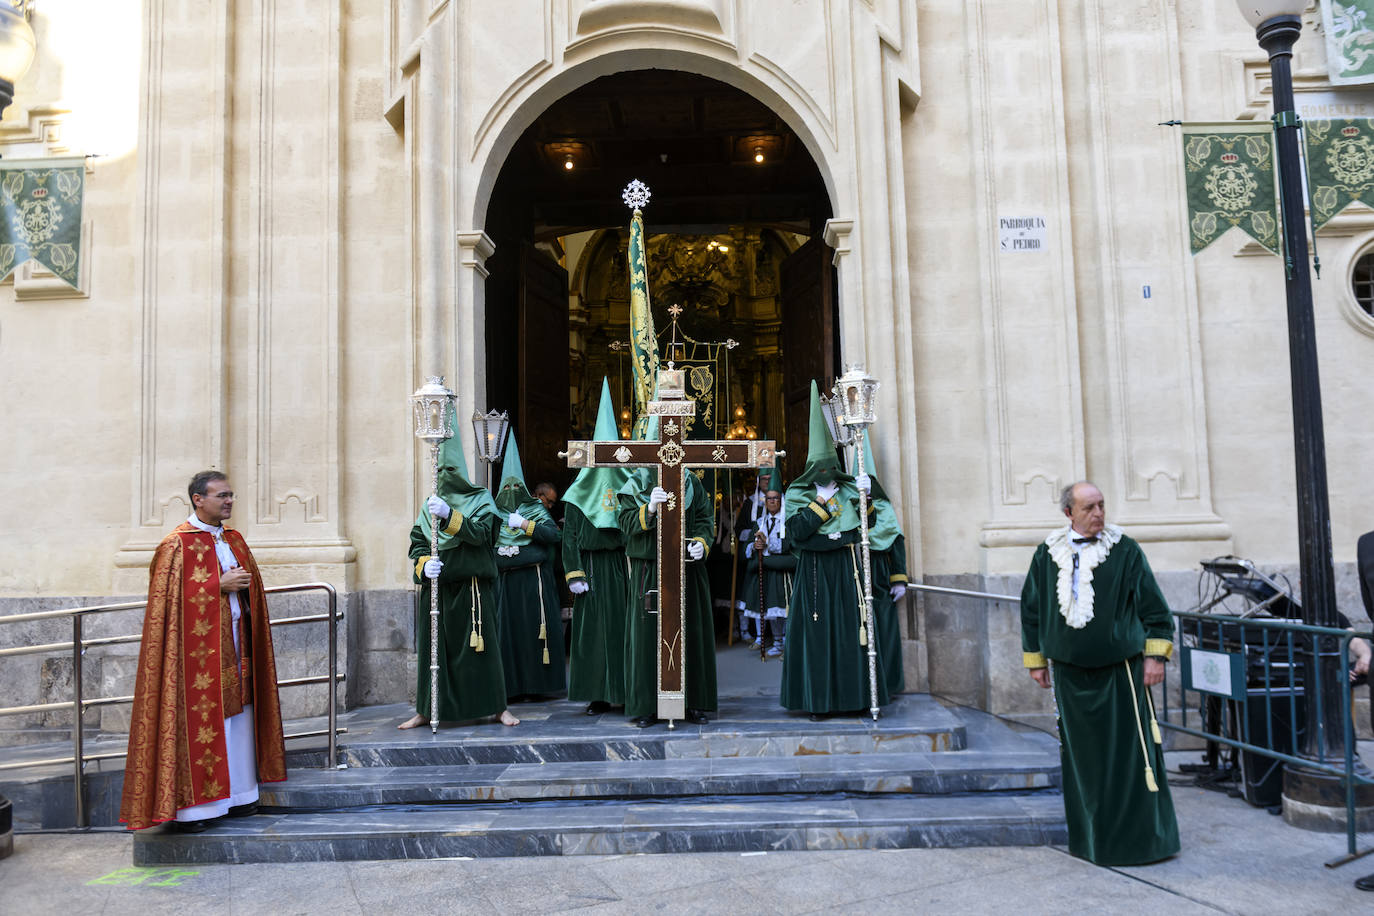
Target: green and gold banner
[[40, 214], [1349, 27], [643, 340], [1340, 165], [1229, 172]]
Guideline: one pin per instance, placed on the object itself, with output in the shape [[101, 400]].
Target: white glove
[[438, 508], [516, 520], [657, 496], [580, 587], [432, 568], [864, 482], [826, 490], [696, 550], [897, 592]]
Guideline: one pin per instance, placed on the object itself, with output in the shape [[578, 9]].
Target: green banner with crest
[[1229, 174], [1349, 27], [40, 214], [1340, 165]]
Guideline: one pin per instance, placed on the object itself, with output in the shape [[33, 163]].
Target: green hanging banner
[[1229, 173], [1349, 27], [40, 214], [1340, 165]]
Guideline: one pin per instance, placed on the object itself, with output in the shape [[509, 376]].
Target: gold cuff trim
[[819, 510], [575, 574], [528, 529], [1161, 647], [420, 566], [897, 579], [455, 521], [1034, 660], [644, 517]]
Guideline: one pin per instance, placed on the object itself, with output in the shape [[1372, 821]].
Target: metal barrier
[[78, 704], [1281, 655]]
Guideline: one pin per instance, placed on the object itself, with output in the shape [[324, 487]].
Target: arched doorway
[[735, 225]]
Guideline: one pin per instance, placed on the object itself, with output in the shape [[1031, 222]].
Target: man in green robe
[[887, 554], [595, 568], [1095, 624], [472, 684], [825, 665], [529, 611], [639, 500], [767, 551]]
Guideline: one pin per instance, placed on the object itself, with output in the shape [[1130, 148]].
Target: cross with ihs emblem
[[670, 455]]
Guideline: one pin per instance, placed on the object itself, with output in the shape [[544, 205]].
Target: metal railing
[[1265, 656], [79, 704]]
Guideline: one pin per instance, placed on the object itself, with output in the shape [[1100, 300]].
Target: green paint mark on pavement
[[152, 877]]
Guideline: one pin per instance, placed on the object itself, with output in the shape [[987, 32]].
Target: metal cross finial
[[636, 195]]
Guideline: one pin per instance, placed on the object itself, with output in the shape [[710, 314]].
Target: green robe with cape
[[1116, 794], [641, 546], [471, 681]]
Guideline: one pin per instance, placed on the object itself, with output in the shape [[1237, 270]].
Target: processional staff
[[855, 408], [433, 407]]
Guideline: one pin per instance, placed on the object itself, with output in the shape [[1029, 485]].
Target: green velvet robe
[[825, 669], [641, 657], [596, 556], [1104, 713], [889, 569], [528, 603], [471, 683]]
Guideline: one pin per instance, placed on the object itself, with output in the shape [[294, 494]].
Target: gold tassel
[[1150, 779], [472, 640], [546, 655], [1154, 731], [543, 634], [481, 644], [863, 635]]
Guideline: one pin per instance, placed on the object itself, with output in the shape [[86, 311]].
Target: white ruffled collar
[[1077, 612]]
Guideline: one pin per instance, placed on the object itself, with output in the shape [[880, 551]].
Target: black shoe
[[816, 717], [1366, 883], [697, 717], [247, 810], [189, 826], [597, 707], [643, 721]]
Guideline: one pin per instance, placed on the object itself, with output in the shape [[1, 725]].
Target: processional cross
[[670, 455]]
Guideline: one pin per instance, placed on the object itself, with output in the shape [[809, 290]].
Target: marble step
[[559, 732], [620, 827], [1019, 768]]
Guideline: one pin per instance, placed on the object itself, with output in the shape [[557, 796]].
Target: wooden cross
[[670, 455]]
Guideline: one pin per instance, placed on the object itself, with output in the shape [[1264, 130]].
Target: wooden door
[[808, 342], [541, 420]]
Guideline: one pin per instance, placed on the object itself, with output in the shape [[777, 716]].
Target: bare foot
[[414, 722], [507, 719]]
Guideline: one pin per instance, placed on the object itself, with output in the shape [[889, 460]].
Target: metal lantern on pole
[[433, 425], [843, 435], [489, 432], [854, 405], [1277, 25]]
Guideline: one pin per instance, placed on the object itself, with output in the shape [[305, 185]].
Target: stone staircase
[[563, 783]]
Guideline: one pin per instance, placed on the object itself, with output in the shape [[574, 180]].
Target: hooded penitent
[[594, 490], [822, 465], [514, 496], [883, 526], [462, 495]]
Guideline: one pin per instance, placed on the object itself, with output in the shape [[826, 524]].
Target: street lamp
[[1277, 24], [17, 47]]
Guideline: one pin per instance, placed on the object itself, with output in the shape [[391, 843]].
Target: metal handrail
[[79, 704]]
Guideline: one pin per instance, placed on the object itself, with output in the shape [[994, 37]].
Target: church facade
[[291, 223]]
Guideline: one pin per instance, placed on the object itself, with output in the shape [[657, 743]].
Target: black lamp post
[[1277, 26]]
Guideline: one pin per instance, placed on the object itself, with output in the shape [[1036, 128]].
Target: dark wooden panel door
[[808, 341], [541, 421]]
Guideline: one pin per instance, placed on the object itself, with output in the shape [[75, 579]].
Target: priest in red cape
[[206, 723]]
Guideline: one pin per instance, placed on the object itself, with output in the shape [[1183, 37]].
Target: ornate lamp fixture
[[17, 47], [434, 425], [489, 432]]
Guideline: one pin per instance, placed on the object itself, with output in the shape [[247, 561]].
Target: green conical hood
[[593, 492], [823, 464], [454, 487], [773, 480], [514, 496], [885, 527]]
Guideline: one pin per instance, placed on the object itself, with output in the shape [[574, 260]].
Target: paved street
[[1236, 859]]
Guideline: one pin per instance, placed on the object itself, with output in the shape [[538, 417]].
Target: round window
[[1362, 282]]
